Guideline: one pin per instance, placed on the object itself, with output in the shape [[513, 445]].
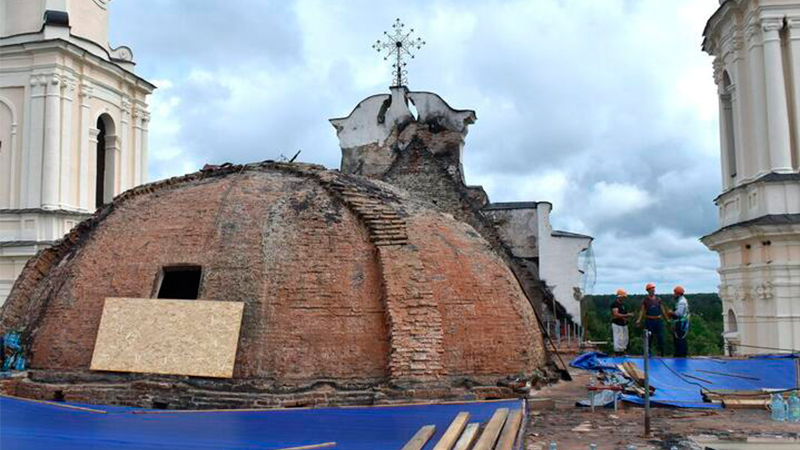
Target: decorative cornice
[[126, 105], [122, 53], [752, 32], [763, 291], [141, 113], [39, 80], [69, 83], [771, 24], [86, 90], [737, 41]]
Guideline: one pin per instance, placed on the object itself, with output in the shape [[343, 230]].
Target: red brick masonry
[[354, 292]]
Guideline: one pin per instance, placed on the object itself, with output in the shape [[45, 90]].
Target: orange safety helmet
[[679, 290], [621, 293], [649, 286]]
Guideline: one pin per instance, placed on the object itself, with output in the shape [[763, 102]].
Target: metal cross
[[396, 45]]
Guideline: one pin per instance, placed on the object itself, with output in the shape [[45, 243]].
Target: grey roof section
[[510, 205], [770, 219], [569, 234], [771, 177]]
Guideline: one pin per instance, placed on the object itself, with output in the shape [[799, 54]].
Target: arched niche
[[733, 325], [8, 153], [105, 160], [726, 99]]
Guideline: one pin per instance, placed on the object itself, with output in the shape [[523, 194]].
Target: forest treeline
[[705, 333]]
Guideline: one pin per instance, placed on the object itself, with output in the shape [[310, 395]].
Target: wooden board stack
[[499, 433]]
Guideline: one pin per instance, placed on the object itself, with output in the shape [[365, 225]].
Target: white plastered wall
[[54, 91], [756, 44]]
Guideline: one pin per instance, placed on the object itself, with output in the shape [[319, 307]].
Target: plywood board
[[174, 337]]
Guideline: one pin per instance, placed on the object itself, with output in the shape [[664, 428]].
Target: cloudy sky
[[606, 108]]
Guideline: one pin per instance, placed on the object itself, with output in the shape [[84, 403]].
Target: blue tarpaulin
[[681, 381], [29, 425]]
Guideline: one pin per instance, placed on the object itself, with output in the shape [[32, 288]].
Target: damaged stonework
[[382, 139], [354, 291], [423, 154], [382, 126]]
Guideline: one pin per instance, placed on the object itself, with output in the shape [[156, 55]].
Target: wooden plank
[[172, 337], [421, 438], [312, 447], [739, 403], [467, 437], [492, 430], [452, 433], [510, 430], [633, 372]]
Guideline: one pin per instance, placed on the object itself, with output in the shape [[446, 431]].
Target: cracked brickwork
[[354, 292]]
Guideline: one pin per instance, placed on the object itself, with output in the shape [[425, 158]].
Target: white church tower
[[756, 49], [73, 123]]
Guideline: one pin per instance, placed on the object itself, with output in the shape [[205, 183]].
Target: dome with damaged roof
[[353, 291]]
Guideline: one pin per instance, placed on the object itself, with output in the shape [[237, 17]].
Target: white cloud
[[606, 108], [616, 199]]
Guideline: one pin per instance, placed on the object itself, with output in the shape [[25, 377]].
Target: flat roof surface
[[27, 424]]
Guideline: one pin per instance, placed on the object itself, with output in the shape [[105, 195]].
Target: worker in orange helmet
[[652, 311], [619, 322], [680, 323]]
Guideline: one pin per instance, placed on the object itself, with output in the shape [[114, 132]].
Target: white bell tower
[[756, 50], [73, 123]]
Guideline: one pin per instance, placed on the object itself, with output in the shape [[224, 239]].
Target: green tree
[[705, 332]]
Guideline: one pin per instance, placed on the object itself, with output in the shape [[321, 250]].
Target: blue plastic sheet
[[29, 425], [681, 381]]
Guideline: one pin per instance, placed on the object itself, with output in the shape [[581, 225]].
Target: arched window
[[104, 176], [727, 118], [732, 325]]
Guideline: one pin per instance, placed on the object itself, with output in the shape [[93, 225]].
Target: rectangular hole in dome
[[180, 282]]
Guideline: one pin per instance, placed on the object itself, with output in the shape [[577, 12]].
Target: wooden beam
[[492, 430], [421, 438], [455, 429], [740, 403], [510, 431], [312, 447], [467, 437]]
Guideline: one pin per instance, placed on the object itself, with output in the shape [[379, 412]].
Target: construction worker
[[680, 323], [619, 322], [652, 312]]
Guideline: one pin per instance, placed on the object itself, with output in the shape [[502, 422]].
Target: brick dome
[[354, 291]]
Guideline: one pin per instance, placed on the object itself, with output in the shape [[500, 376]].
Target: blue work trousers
[[656, 329]]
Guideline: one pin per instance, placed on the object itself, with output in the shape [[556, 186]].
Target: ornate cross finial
[[396, 45]]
